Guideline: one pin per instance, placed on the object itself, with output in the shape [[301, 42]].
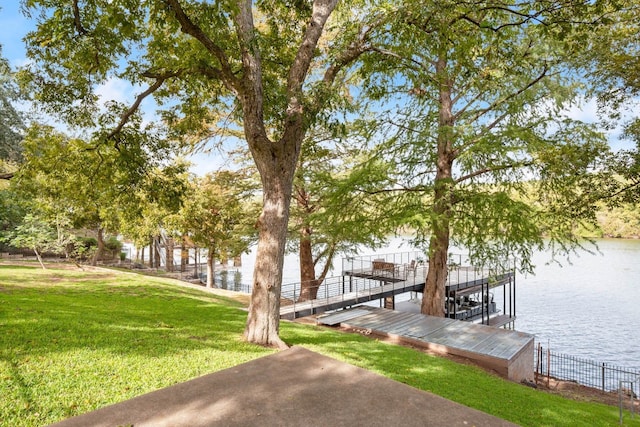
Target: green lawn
[[73, 341]]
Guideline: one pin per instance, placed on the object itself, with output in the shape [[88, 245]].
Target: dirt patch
[[575, 391]]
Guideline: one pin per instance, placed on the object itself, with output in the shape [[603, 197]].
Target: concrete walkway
[[295, 387]]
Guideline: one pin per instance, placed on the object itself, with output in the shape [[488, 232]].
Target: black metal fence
[[590, 373]]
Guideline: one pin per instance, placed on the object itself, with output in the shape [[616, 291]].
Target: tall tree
[[611, 63], [239, 57], [329, 216], [219, 214], [146, 215], [11, 122], [481, 89], [89, 183]]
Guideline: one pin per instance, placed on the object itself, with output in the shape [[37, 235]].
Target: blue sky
[[13, 27]]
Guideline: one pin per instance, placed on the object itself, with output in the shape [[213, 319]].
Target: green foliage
[[151, 207], [87, 242], [63, 174], [328, 211], [95, 185], [11, 121], [472, 105], [121, 335], [144, 44], [219, 213], [622, 221], [34, 234], [113, 244], [610, 61], [11, 210]]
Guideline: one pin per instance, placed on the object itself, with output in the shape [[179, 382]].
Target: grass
[[73, 341]]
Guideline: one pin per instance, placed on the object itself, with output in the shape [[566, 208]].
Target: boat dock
[[337, 293], [379, 278], [508, 352]]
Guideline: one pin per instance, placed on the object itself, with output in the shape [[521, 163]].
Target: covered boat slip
[[382, 277], [508, 352]]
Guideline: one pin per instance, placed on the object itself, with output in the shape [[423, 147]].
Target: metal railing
[[599, 375], [365, 263], [460, 267], [336, 290]]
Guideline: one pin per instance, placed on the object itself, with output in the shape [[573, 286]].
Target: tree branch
[[134, 107], [618, 192], [76, 19], [188, 27], [250, 88], [293, 130], [300, 67], [498, 102], [353, 52], [327, 265], [491, 169]]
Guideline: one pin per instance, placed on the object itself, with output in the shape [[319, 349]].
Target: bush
[[87, 242], [113, 244]]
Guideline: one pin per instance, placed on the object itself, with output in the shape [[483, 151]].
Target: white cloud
[[116, 89], [584, 110], [587, 112]]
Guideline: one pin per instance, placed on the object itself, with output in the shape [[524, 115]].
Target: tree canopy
[[218, 214], [266, 63], [479, 125], [11, 122]]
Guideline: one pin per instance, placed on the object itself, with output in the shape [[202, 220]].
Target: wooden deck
[[382, 284], [510, 353]]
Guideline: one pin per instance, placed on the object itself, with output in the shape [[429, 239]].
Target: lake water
[[589, 308]]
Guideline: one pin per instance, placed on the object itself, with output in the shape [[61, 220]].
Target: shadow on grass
[[58, 339], [71, 342], [123, 320]]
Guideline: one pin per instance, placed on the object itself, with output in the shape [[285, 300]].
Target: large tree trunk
[[263, 322], [158, 255], [434, 291], [169, 253], [308, 282], [151, 253], [211, 270], [184, 255], [100, 250]]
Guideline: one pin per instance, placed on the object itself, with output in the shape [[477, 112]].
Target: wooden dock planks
[[497, 348], [341, 316]]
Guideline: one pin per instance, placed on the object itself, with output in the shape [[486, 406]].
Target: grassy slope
[[73, 341]]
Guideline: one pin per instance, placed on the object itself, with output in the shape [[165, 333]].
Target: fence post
[[603, 374], [548, 366], [620, 399]]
